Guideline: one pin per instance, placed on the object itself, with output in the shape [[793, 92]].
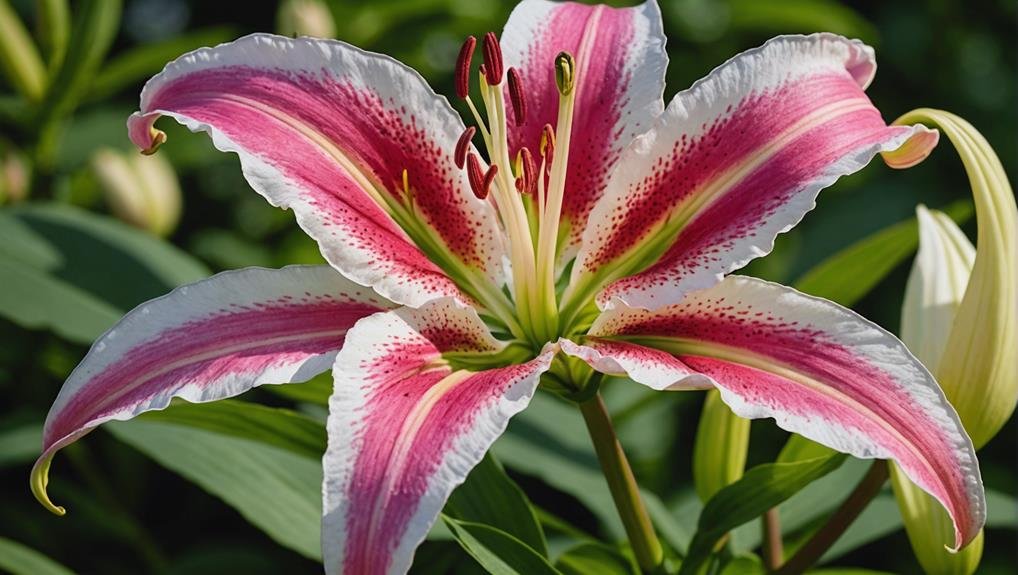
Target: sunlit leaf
[[275, 489], [802, 16], [490, 497], [21, 560], [76, 273], [137, 64], [497, 551], [283, 428], [761, 488], [20, 444], [853, 272], [549, 440], [595, 559]]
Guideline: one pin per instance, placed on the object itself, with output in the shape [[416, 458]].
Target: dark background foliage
[[130, 515]]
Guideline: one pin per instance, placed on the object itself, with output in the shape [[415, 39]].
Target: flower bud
[[960, 318], [14, 176], [141, 190], [719, 453], [305, 18]]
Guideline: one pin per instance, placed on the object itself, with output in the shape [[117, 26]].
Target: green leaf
[[139, 63], [881, 518], [595, 559], [846, 571], [95, 27], [803, 16], [77, 273], [278, 427], [761, 488], [21, 560], [744, 565], [20, 444], [549, 440], [275, 489], [497, 551], [19, 58], [490, 497], [853, 272]]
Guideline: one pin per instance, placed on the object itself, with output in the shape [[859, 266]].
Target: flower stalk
[[622, 484]]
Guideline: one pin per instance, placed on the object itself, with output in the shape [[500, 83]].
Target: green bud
[[719, 453], [305, 18], [141, 190], [960, 318]]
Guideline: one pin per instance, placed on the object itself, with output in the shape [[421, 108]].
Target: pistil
[[527, 198]]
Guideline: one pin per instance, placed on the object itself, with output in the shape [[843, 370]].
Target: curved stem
[[622, 484], [773, 547], [836, 525]]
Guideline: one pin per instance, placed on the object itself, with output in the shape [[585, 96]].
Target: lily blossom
[[598, 224]]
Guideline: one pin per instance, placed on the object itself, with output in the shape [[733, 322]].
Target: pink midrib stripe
[[868, 409], [200, 338], [724, 178], [406, 438]]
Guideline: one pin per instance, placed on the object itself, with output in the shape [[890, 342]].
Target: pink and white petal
[[209, 340], [732, 162], [819, 370], [327, 130], [621, 63], [654, 368], [405, 429]]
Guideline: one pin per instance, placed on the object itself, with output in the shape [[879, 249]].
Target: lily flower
[[599, 225]]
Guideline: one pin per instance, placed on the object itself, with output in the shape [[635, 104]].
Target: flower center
[[526, 194]]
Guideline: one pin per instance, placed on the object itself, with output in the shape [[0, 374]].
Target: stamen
[[517, 96], [565, 72], [463, 67], [406, 182], [548, 143], [462, 145], [489, 177], [492, 59], [528, 172], [476, 177]]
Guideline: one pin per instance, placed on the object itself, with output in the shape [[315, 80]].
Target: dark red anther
[[463, 67], [476, 177], [462, 145], [492, 59], [489, 177], [528, 171], [517, 96]]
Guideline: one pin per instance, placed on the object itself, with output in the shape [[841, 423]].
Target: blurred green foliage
[[67, 270]]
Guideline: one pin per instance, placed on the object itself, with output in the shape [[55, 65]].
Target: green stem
[[839, 522], [622, 484]]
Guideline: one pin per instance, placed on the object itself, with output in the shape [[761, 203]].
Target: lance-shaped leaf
[[620, 69], [762, 488], [405, 428], [352, 142], [817, 368], [209, 340], [735, 160]]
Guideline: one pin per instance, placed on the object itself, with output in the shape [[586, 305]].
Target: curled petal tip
[[38, 482], [914, 150], [143, 133]]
